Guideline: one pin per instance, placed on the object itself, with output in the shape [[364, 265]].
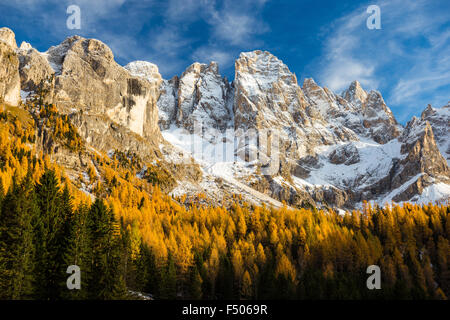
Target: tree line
[[127, 234]]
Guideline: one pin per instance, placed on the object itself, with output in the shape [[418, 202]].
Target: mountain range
[[262, 136]]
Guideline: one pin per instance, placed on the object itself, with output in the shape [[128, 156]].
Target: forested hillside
[[126, 234]]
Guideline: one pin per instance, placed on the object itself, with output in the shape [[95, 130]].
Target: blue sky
[[407, 60]]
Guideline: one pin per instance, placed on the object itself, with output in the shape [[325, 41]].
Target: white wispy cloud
[[342, 65], [235, 28], [169, 41], [187, 10], [174, 39], [207, 54], [408, 57], [232, 27]]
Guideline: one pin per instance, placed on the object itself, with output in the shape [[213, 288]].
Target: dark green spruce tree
[[78, 252], [51, 238], [17, 254], [106, 279], [168, 288]]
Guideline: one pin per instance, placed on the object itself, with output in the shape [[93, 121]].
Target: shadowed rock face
[[267, 96], [200, 95], [8, 37], [363, 112], [9, 68], [422, 153], [439, 119], [34, 69], [309, 119], [334, 149], [82, 77], [347, 154], [422, 162], [88, 77]]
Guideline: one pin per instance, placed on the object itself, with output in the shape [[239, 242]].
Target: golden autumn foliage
[[259, 250]]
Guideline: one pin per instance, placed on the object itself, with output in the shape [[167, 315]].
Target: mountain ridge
[[334, 150]]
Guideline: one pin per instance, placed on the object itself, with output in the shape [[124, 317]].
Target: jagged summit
[[264, 64], [309, 82], [334, 149], [144, 69], [7, 36], [355, 93], [84, 81], [429, 110], [199, 95], [9, 72], [439, 119]]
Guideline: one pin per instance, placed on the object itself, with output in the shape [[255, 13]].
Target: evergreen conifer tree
[[17, 254], [51, 270], [105, 279]]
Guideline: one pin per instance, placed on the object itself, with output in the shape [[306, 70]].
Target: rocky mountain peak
[[9, 68], [429, 110], [379, 119], [266, 92], [35, 69], [415, 130], [199, 95], [263, 64], [310, 84], [439, 120], [422, 163], [25, 46], [355, 93], [321, 100], [7, 36], [195, 68], [85, 82], [213, 67], [89, 50], [146, 70]]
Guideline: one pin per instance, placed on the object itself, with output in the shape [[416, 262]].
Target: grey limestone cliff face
[[422, 163], [115, 107], [378, 119], [111, 106], [199, 95], [88, 78], [439, 119], [419, 146], [9, 68], [35, 71], [365, 113]]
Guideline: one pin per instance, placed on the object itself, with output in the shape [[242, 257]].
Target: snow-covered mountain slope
[[223, 174], [363, 112], [262, 136], [200, 95], [332, 149]]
